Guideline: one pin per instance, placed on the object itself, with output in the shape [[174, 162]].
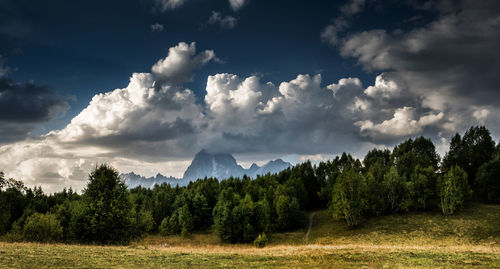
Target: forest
[[412, 177]]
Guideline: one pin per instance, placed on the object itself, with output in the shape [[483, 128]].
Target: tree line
[[411, 177]]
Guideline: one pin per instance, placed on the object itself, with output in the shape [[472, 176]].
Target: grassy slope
[[470, 238]]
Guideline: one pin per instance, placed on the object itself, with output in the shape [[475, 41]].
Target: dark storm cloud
[[28, 102], [446, 70], [458, 50], [24, 105]]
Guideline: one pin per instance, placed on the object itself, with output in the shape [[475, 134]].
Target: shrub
[[260, 241], [42, 228], [15, 234]]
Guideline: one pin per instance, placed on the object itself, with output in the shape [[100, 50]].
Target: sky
[[144, 85]]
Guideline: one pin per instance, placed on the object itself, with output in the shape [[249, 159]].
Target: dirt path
[[311, 218]]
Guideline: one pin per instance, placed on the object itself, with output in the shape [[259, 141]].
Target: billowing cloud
[[345, 83], [155, 121], [152, 121], [383, 88], [227, 22], [421, 87], [430, 59], [436, 76], [402, 124], [182, 59]]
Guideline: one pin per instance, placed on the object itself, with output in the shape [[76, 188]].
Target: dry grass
[[29, 255]]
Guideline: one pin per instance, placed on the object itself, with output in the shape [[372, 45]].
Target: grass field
[[469, 239]]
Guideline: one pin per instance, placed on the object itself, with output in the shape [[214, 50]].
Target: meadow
[[470, 238]]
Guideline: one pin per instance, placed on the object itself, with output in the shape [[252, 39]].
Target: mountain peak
[[254, 166], [219, 165], [224, 165], [207, 164]]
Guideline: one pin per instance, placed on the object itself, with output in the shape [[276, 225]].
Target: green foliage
[[202, 212], [15, 234], [260, 241], [487, 181], [456, 155], [142, 222], [223, 215], [396, 192], [4, 214], [13, 201], [180, 222], [453, 190], [240, 220], [377, 156], [421, 188], [63, 214], [107, 218], [376, 204], [42, 228], [473, 150], [163, 198], [407, 155], [309, 197], [348, 197], [164, 227], [294, 187], [288, 213]]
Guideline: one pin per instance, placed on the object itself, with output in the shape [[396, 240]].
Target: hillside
[[477, 225], [471, 238]]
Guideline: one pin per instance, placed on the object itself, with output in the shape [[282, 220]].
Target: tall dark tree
[[474, 149], [375, 187], [305, 173], [108, 210], [407, 155], [421, 188], [480, 148], [487, 182], [377, 155], [456, 155]]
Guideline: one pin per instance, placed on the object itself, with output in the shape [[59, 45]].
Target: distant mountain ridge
[[133, 180], [206, 164]]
